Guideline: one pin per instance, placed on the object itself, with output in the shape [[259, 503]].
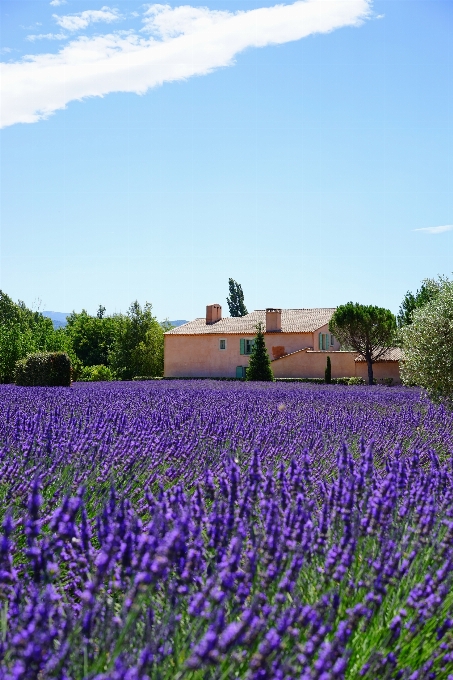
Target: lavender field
[[215, 530]]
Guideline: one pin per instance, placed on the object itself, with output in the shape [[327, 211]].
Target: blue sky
[[150, 152]]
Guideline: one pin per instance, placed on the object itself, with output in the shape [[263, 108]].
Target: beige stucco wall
[[312, 364], [192, 356], [381, 370], [199, 356]]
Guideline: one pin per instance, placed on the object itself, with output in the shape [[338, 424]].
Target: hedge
[[46, 369]]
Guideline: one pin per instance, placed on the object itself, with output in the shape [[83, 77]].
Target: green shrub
[[340, 381], [348, 381], [46, 369], [356, 381], [99, 373]]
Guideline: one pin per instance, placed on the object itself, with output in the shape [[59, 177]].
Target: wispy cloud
[[436, 230], [77, 22], [57, 3], [47, 36], [184, 42]]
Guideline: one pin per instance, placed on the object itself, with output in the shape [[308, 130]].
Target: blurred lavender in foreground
[[199, 530]]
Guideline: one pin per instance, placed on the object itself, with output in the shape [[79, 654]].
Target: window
[[222, 344], [240, 371], [325, 341], [246, 346]]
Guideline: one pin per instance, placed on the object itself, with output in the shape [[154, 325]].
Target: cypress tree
[[259, 367], [236, 300], [328, 372]]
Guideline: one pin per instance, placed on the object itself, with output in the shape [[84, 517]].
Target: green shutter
[[320, 341], [239, 371], [242, 346]]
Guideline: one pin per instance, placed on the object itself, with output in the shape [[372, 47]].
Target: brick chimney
[[273, 320], [213, 313]]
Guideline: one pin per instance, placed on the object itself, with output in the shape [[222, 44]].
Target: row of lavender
[[215, 530]]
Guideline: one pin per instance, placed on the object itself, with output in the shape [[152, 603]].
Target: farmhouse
[[298, 341]]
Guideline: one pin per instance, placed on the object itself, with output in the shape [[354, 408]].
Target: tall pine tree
[[259, 367], [236, 300]]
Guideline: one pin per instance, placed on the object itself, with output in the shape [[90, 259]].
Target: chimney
[[273, 320], [213, 313]]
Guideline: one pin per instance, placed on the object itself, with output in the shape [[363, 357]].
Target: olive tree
[[428, 345], [366, 329]]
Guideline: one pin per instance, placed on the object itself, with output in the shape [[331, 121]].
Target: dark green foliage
[[366, 329], [236, 300], [411, 302], [22, 332], [138, 348], [47, 369], [259, 367], [328, 372], [91, 337], [123, 345]]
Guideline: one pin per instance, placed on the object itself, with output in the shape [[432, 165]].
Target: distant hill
[[178, 322], [58, 318]]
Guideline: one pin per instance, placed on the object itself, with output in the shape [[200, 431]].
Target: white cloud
[[164, 22], [57, 3], [46, 36], [436, 230], [76, 22], [192, 41]]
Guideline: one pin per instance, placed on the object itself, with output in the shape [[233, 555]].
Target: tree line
[[124, 346], [100, 347]]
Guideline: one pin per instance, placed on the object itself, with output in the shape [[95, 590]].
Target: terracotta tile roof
[[290, 354], [392, 354], [293, 321]]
